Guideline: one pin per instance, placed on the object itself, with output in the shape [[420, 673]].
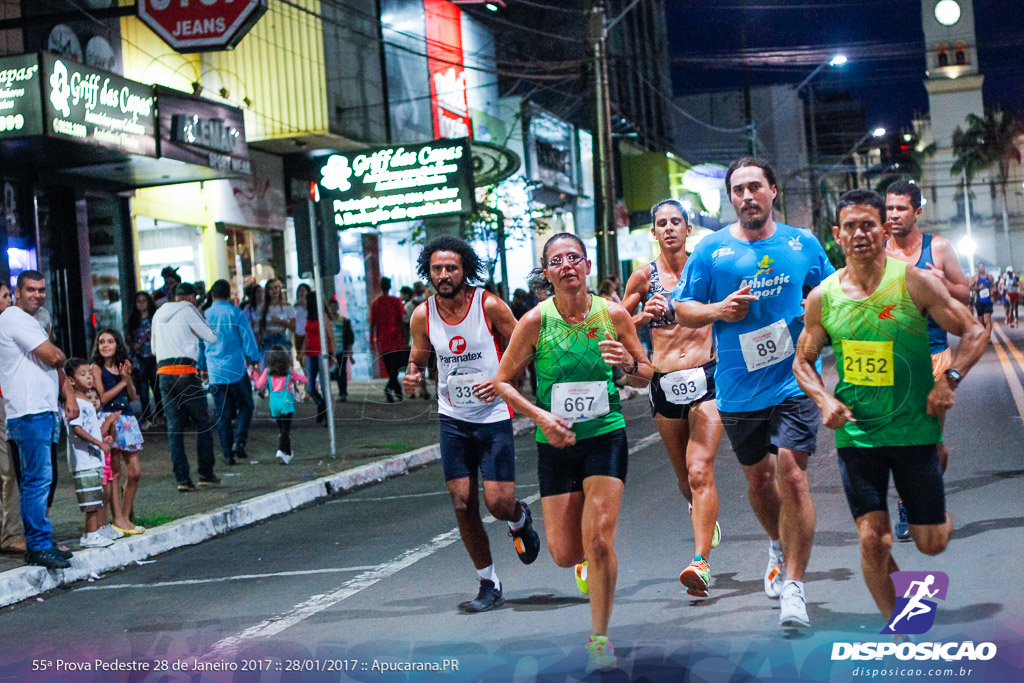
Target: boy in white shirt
[[87, 454]]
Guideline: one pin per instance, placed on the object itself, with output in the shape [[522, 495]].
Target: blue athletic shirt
[[780, 268]]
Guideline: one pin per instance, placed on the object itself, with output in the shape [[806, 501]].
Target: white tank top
[[466, 354]]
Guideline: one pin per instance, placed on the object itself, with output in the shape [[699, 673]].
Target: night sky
[[883, 39]]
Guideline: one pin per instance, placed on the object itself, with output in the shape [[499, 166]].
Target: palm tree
[[988, 142]]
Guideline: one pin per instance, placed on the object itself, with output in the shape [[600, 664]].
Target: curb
[[26, 582]]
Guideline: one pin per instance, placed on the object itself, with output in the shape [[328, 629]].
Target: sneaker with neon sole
[[581, 578], [600, 655], [696, 578], [716, 537], [526, 539]]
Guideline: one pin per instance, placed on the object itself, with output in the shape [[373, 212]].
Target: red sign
[[457, 345], [447, 73], [201, 25]]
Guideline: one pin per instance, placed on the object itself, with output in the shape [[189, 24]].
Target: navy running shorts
[[660, 405], [915, 472], [562, 470], [791, 424], [468, 447], [982, 308]]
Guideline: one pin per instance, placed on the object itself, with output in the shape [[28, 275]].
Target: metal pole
[[501, 253], [607, 245], [815, 189], [967, 215], [325, 380]]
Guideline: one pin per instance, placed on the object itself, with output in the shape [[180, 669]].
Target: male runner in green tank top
[[887, 405]]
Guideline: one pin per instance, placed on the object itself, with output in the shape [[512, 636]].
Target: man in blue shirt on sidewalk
[[226, 365]]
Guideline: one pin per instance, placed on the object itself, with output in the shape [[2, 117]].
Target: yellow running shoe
[[581, 579], [600, 653]]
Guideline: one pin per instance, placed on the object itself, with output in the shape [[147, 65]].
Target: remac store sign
[[398, 183], [202, 132], [93, 106]]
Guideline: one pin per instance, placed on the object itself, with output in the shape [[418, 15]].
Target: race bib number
[[460, 390], [767, 346], [683, 387], [868, 363], [579, 401], [983, 293]]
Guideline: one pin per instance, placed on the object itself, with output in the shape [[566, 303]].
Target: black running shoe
[[212, 480], [487, 599], [526, 539], [49, 558], [239, 452]]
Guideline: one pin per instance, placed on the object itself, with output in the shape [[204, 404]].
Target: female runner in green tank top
[[576, 338]]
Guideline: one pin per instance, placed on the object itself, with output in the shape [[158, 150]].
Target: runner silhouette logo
[[915, 610]]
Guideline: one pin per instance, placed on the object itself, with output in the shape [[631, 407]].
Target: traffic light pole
[[325, 380], [604, 202]]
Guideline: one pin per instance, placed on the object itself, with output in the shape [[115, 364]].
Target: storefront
[[75, 142]]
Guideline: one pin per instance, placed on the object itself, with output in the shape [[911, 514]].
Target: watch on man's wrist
[[954, 376]]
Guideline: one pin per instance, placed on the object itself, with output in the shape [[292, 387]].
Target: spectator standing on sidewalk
[[112, 377], [277, 319], [171, 280], [138, 334], [344, 338], [31, 373], [388, 337], [226, 364], [177, 330], [312, 351], [282, 378], [301, 292], [12, 532]]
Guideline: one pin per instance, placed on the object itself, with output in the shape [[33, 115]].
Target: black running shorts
[[467, 447], [562, 470], [915, 472], [791, 424], [660, 405]]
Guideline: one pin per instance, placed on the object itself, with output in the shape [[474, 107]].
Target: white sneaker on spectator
[[285, 458], [110, 532], [95, 540]]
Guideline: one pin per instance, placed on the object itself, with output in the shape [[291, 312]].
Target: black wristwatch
[[636, 366], [954, 375]]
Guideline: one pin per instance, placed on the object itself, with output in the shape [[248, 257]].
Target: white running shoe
[[285, 458], [793, 607], [95, 540], [110, 532], [774, 574]]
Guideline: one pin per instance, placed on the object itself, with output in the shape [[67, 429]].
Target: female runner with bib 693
[[575, 339]]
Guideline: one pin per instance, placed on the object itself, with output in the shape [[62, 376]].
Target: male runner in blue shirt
[[748, 281]]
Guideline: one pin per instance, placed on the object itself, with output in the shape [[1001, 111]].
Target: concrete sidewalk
[[376, 440]]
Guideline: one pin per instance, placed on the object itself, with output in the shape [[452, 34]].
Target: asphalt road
[[336, 591]]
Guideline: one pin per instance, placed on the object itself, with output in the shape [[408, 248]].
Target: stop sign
[[201, 25]]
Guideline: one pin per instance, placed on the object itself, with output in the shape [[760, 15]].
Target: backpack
[[282, 402]]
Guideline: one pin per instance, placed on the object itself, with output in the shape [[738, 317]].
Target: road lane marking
[[409, 495], [1011, 375], [318, 603], [220, 579]]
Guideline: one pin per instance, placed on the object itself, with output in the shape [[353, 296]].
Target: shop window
[[942, 56], [167, 243], [109, 265], [250, 257], [960, 54]]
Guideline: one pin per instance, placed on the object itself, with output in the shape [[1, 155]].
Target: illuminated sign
[[398, 183], [550, 150], [21, 105], [97, 107], [201, 131], [447, 73]]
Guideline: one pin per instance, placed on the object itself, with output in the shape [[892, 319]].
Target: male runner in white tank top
[[459, 322]]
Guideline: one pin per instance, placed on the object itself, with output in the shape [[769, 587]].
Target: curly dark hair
[[472, 266], [72, 365], [121, 353], [279, 361]]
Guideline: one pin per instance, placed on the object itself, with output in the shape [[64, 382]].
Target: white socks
[[488, 574], [776, 545], [516, 526]]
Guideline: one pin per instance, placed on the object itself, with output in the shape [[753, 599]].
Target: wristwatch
[[954, 375]]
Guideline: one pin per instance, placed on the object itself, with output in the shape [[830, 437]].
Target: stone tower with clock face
[[953, 81]]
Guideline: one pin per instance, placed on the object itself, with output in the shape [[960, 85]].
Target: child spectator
[[87, 452], [112, 377], [282, 400]]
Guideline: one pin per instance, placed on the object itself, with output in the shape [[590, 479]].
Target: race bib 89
[[868, 363], [767, 346]]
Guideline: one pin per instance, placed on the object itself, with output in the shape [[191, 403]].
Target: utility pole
[[748, 118], [815, 188], [321, 317], [604, 202]]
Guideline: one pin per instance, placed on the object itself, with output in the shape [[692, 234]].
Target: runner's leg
[[466, 502], [876, 561], [602, 501], [796, 512], [763, 493], [705, 434], [563, 527]]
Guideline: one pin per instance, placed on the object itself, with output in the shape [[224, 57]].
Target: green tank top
[[570, 353], [884, 362]]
